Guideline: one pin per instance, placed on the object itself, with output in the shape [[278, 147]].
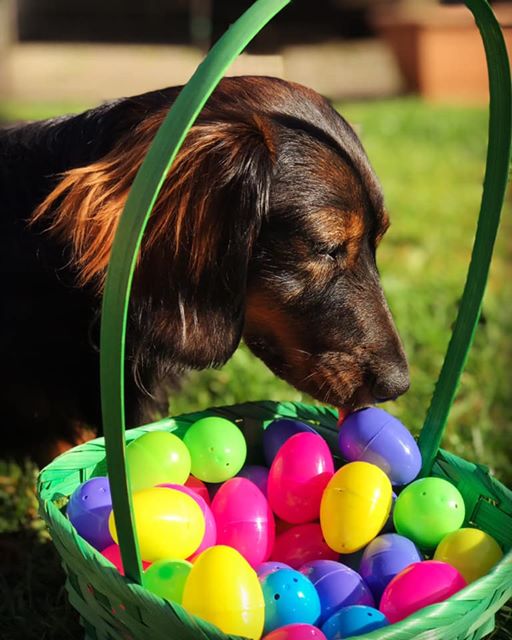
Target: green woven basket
[[115, 607]]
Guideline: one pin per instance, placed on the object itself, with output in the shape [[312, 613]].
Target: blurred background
[[411, 77]]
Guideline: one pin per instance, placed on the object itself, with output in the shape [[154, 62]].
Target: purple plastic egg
[[255, 473], [384, 558], [373, 435], [337, 586], [89, 509], [244, 520], [278, 432]]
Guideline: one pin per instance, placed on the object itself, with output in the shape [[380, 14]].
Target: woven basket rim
[[500, 577]]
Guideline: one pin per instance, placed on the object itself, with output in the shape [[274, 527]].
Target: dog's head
[[266, 227]]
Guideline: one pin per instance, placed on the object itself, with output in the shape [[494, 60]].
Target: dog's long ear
[[189, 287]]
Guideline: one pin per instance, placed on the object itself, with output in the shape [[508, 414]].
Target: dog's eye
[[334, 254]]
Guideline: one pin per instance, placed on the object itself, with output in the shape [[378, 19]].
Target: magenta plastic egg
[[113, 555], [244, 520], [278, 432], [298, 476], [417, 586], [300, 544], [199, 487], [374, 435], [297, 631], [210, 531]]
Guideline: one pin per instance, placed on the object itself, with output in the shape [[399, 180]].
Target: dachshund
[[265, 229]]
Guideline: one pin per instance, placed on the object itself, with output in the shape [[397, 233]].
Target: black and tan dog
[[266, 228]]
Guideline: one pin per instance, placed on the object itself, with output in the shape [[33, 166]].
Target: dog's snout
[[392, 383]]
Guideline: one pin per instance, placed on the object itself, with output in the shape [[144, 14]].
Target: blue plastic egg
[[373, 435], [278, 432], [289, 597], [353, 621], [384, 558]]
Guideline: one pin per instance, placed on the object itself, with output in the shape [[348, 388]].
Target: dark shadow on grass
[[33, 600]]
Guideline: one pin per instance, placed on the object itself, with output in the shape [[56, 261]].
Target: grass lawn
[[430, 160]]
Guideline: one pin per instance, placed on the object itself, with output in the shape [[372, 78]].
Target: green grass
[[430, 160]]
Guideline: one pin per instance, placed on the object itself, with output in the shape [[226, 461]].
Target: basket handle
[[144, 192], [140, 202], [495, 182]]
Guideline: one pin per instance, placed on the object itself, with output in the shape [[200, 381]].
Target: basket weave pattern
[[112, 607]]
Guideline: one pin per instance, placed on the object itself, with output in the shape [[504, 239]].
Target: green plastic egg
[[166, 578], [427, 510], [155, 458], [217, 449]]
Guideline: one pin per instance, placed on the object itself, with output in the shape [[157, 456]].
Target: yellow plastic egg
[[355, 506], [169, 524], [471, 551], [223, 589]]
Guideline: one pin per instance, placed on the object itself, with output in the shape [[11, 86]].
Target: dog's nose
[[393, 383]]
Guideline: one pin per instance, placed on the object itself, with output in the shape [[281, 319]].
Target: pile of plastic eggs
[[295, 548]]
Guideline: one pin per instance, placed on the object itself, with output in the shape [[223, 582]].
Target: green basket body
[[113, 607]]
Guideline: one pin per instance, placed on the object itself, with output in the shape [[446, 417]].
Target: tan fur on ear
[[84, 208]]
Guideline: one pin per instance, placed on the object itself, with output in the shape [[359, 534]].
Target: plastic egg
[[353, 621], [217, 448], [384, 558], [297, 631], [113, 555], [257, 474], [156, 457], [373, 435], [244, 520], [352, 560], [471, 551], [289, 597], [210, 526], [427, 510], [300, 544], [89, 508], [298, 476], [417, 586], [166, 578], [269, 567], [199, 487], [337, 586], [169, 524], [278, 432], [223, 589], [355, 506]]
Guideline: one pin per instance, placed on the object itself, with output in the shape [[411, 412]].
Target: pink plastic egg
[[298, 476], [244, 520], [297, 631], [199, 487], [300, 544], [417, 586], [113, 554], [210, 531]]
